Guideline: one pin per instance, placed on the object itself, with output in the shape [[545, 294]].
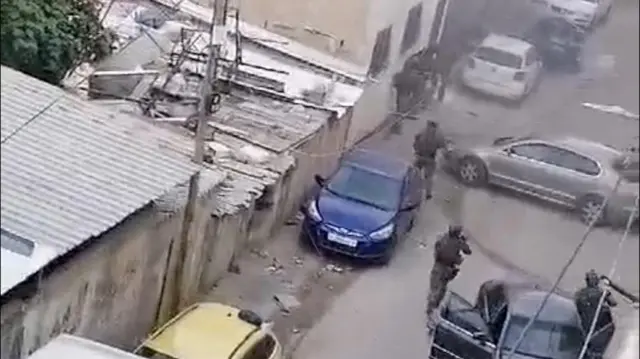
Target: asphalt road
[[381, 314]]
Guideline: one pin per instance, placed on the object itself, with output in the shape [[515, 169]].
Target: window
[[498, 57], [380, 55], [263, 349], [574, 162], [544, 339], [536, 152], [438, 20], [412, 28], [463, 315]]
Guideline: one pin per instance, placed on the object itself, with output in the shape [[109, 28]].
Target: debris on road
[[286, 302], [260, 253], [612, 109], [275, 266], [233, 268], [333, 268], [297, 219], [298, 261]]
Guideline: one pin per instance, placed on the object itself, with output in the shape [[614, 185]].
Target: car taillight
[[519, 76], [471, 63]]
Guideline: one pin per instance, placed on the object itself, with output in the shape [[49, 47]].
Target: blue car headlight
[[312, 211], [383, 233]]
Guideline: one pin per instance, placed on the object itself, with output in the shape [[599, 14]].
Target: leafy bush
[[46, 38]]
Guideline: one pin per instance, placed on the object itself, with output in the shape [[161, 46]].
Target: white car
[[503, 66], [583, 13]]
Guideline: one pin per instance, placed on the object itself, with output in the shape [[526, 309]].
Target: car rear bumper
[[316, 234], [512, 90]]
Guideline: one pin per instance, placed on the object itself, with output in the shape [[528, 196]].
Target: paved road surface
[[381, 315]]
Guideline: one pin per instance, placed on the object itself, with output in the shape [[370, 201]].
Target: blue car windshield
[[544, 340], [366, 187]]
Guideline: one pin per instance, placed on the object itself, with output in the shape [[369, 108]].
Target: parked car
[[364, 208], [490, 328], [584, 13], [213, 330], [71, 346], [503, 66], [558, 41], [569, 171]]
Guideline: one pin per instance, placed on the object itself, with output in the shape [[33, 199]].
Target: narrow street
[[381, 315]]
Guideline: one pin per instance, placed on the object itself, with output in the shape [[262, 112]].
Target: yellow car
[[213, 331]]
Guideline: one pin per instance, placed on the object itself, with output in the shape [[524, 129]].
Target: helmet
[[591, 277], [455, 230]]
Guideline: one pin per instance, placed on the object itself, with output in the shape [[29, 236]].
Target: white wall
[[378, 98]]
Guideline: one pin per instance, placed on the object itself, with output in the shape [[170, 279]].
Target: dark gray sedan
[[569, 171]]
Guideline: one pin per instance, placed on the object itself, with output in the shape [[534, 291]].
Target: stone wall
[[109, 290]]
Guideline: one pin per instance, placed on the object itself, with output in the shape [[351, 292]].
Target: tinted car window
[[574, 162], [367, 187], [498, 57], [262, 349], [467, 319], [463, 315], [543, 339], [538, 152]]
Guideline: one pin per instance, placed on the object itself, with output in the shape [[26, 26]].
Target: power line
[[583, 240], [612, 271]]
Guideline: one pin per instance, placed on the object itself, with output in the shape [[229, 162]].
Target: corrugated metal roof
[[70, 346], [273, 125], [76, 169]]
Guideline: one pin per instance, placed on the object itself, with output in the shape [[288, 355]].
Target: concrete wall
[[337, 21], [378, 97], [110, 291]]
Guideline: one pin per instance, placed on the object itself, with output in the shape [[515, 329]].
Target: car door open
[[461, 332]]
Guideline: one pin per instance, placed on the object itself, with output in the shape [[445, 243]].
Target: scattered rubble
[[233, 268], [297, 219], [333, 268], [275, 267], [298, 261], [286, 302], [260, 253]]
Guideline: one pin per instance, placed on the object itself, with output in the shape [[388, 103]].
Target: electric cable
[[623, 239], [590, 227]]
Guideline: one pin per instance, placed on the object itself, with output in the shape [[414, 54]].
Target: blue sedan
[[364, 208]]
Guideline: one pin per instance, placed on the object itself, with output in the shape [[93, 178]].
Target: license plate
[[333, 237]]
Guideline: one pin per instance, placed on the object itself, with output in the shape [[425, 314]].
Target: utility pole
[[178, 292]]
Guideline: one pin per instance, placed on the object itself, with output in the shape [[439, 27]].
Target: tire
[[472, 172], [588, 208]]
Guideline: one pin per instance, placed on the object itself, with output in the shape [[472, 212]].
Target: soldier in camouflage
[[408, 84], [447, 260], [425, 146], [586, 300]]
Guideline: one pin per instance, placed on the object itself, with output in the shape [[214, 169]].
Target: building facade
[[375, 35]]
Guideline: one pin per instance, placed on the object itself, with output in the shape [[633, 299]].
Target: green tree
[[46, 38]]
